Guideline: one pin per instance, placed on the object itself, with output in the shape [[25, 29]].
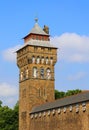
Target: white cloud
[[7, 90], [10, 53], [72, 47], [77, 76]]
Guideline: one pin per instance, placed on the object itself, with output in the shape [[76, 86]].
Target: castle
[[38, 109]]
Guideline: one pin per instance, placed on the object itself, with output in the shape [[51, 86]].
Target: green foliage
[[72, 92], [64, 94], [59, 94], [8, 118], [0, 103]]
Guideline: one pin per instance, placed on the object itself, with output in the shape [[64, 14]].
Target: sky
[[68, 21]]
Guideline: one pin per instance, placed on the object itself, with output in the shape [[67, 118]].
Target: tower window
[[42, 72], [38, 60], [47, 60], [42, 60], [33, 59], [35, 72], [48, 73]]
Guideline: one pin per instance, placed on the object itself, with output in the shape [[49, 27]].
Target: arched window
[[42, 60], [42, 73], [38, 60], [35, 72], [48, 73], [33, 59], [47, 60]]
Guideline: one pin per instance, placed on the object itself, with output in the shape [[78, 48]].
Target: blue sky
[[68, 21]]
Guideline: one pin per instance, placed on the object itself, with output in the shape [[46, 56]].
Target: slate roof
[[38, 30], [38, 43], [78, 98]]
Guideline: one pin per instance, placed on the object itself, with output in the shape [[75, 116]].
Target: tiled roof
[[78, 98]]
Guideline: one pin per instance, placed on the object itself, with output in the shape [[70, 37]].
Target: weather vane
[[36, 20]]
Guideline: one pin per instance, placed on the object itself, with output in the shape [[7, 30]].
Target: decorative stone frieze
[[36, 115], [44, 114], [59, 111], [49, 113], [70, 108], [53, 111], [77, 108], [40, 114], [64, 110], [32, 116]]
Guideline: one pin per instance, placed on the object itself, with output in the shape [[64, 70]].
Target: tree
[[0, 103], [9, 118], [59, 94], [64, 94], [72, 92]]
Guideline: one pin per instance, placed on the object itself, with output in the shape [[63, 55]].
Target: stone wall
[[74, 117]]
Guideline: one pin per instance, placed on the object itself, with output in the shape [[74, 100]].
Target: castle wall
[[75, 117]]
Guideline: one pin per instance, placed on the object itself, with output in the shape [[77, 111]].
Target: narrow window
[[47, 60], [33, 59], [42, 73], [48, 73], [35, 72], [42, 60], [38, 60]]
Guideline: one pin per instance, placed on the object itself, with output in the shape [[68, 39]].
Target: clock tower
[[36, 60]]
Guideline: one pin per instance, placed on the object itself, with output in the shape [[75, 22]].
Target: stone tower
[[36, 60]]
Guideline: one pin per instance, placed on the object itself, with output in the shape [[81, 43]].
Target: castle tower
[[36, 60]]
